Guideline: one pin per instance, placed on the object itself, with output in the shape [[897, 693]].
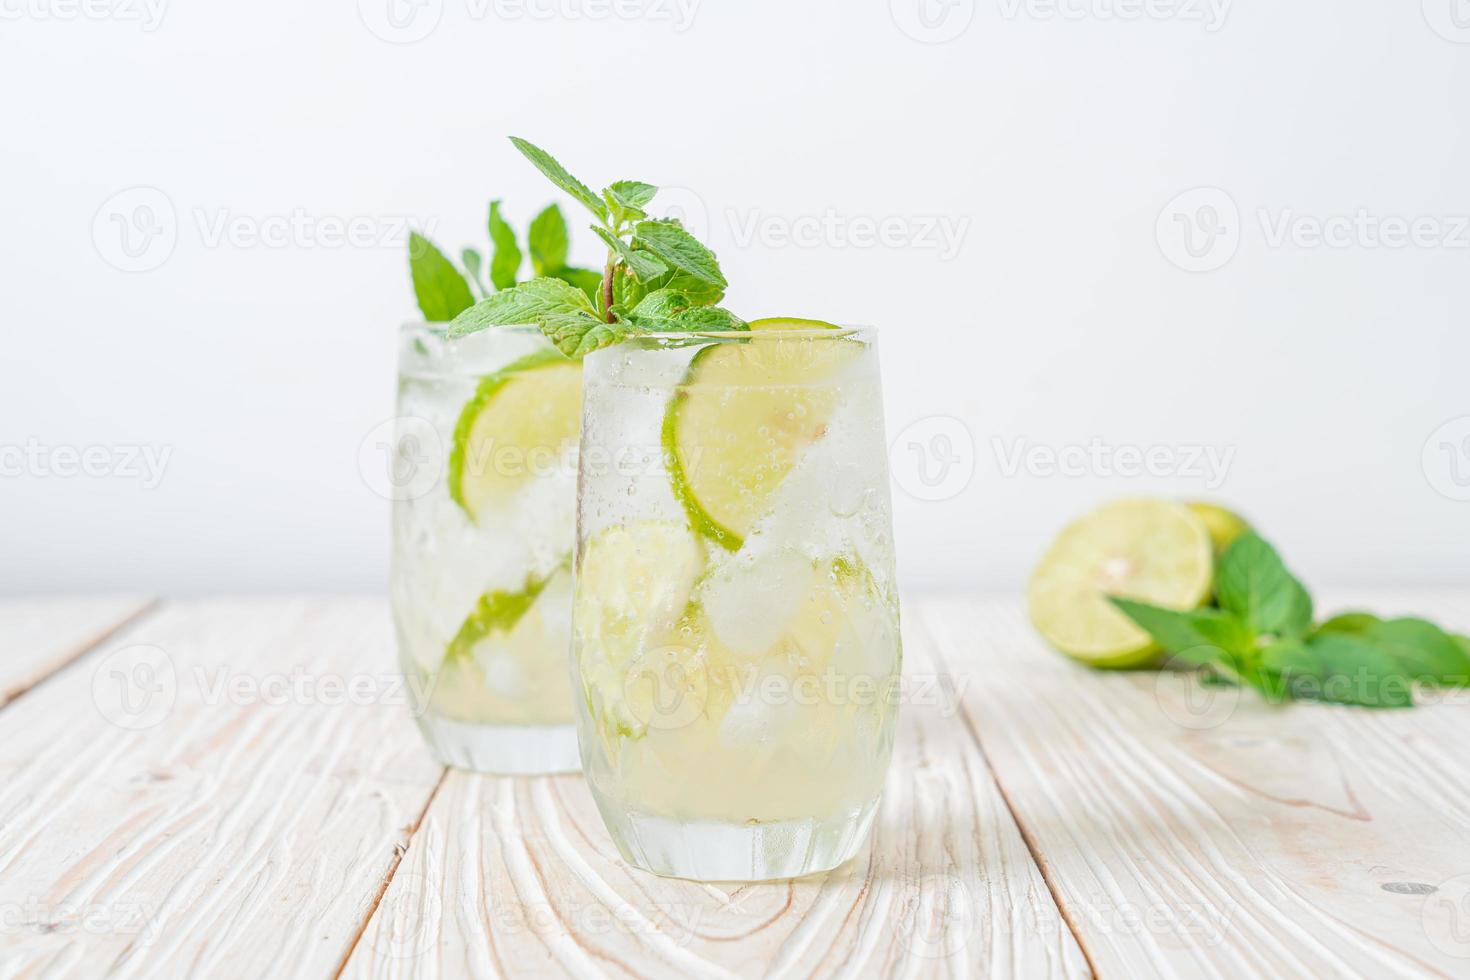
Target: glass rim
[[841, 331], [442, 327]]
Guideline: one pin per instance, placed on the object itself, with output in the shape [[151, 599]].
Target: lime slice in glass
[[520, 419], [633, 587], [1155, 551], [791, 323], [741, 420]]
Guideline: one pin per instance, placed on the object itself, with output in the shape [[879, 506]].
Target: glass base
[[509, 750], [708, 850]]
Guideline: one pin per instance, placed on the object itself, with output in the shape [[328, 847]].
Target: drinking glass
[[481, 575], [735, 626]]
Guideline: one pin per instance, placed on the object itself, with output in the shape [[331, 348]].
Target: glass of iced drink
[[736, 625], [482, 553]]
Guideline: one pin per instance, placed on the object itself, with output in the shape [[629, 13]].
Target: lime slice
[[745, 413], [1224, 525], [633, 588], [1154, 551], [505, 664], [791, 323], [520, 419]]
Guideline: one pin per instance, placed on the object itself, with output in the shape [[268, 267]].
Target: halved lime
[[520, 420], [633, 588], [745, 413], [1224, 525], [1154, 551]]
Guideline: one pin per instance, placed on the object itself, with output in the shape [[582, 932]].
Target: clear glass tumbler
[[735, 626], [482, 549]]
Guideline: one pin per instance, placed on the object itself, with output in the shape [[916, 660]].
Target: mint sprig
[[444, 292], [658, 278], [1262, 634]]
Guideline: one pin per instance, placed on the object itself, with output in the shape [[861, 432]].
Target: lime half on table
[[520, 418], [742, 418], [1155, 551]]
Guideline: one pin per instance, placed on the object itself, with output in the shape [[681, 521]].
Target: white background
[[1055, 137]]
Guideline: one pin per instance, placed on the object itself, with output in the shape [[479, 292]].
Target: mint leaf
[[530, 302], [558, 175], [584, 279], [631, 193], [1424, 651], [1341, 669], [1349, 622], [643, 265], [548, 242], [579, 334], [505, 263], [441, 291], [1198, 635], [627, 199], [472, 262], [1253, 583], [663, 304], [680, 250]]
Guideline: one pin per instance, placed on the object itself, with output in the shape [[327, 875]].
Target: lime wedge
[[505, 664], [742, 418], [1224, 525], [791, 323], [521, 418], [633, 588], [1154, 551]]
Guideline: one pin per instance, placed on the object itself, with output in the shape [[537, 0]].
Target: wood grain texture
[[1198, 832], [198, 797], [40, 636], [517, 877]]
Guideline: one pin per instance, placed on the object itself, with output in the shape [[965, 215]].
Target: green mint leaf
[[663, 304], [626, 199], [643, 265], [1341, 669], [473, 262], [548, 242], [579, 334], [1425, 652], [529, 302], [1349, 622], [587, 280], [680, 250], [505, 263], [631, 194], [441, 291], [1199, 635], [558, 175], [1253, 582]]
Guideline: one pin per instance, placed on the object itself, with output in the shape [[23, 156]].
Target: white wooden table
[[234, 788]]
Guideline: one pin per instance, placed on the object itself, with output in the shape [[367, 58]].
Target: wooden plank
[[221, 789], [1186, 837], [517, 877], [40, 636]]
